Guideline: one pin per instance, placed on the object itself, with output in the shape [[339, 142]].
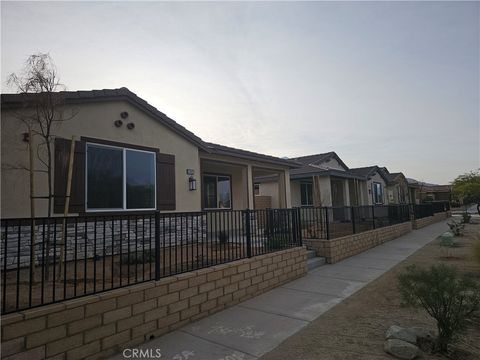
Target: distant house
[[397, 188], [413, 191], [425, 192], [321, 180], [436, 192], [129, 158], [376, 180]]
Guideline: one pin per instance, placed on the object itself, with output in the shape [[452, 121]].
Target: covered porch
[[232, 184], [329, 191], [228, 190]]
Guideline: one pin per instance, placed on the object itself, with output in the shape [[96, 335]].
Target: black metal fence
[[440, 206], [423, 210], [46, 260], [334, 222]]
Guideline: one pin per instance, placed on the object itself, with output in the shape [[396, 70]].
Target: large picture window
[[306, 190], [377, 193], [120, 179], [217, 192]]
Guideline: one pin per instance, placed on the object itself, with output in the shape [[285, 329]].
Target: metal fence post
[[373, 215], [298, 226], [327, 225], [248, 233], [157, 245], [352, 210]]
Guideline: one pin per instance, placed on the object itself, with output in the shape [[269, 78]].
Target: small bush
[[466, 218], [447, 296], [456, 227]]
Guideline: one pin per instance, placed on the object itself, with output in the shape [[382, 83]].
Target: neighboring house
[[129, 158], [436, 192], [397, 188], [321, 180], [424, 192], [376, 184], [413, 191]]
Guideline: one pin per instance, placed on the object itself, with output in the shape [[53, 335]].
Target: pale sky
[[381, 83]]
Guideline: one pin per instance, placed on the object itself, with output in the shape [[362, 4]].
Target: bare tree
[[42, 109]]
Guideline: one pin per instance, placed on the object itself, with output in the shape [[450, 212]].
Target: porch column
[[346, 192], [250, 189], [284, 196], [288, 192]]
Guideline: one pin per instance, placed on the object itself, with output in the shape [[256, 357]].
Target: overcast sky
[[389, 84]]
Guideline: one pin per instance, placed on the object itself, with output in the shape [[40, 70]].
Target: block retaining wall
[[98, 326], [420, 223], [338, 249]]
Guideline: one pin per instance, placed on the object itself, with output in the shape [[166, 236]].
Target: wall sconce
[[192, 183]]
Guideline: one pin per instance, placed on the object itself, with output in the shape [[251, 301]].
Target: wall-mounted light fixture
[[192, 183]]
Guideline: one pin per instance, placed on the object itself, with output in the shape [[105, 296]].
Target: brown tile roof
[[226, 150], [369, 171], [318, 159]]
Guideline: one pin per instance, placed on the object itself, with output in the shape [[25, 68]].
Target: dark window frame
[[124, 148], [309, 195], [217, 175]]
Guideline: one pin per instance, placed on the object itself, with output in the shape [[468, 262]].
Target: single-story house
[[321, 180], [376, 180], [425, 192], [413, 191], [397, 188], [129, 158]]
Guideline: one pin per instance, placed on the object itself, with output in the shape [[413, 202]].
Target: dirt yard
[[355, 328], [110, 272]]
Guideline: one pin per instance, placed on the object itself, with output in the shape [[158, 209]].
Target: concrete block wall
[[420, 223], [337, 249], [98, 326]]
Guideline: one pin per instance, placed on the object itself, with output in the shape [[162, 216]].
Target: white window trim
[[305, 183], [124, 201], [217, 176], [381, 190]]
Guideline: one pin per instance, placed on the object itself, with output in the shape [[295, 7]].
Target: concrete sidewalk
[[255, 327]]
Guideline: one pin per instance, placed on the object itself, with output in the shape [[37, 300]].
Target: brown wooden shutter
[[77, 195], [165, 182]]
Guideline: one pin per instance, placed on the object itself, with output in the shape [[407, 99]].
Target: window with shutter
[[120, 179], [110, 177]]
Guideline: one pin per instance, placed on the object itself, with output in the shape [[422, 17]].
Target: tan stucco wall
[[295, 193], [333, 164], [94, 120], [270, 189]]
